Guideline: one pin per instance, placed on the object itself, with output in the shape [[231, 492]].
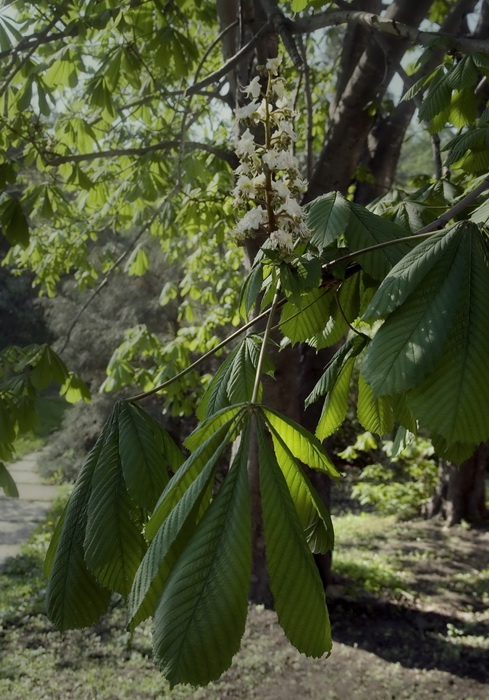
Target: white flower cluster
[[268, 176]]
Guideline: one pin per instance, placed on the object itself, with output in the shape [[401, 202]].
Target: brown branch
[[228, 156], [330, 18]]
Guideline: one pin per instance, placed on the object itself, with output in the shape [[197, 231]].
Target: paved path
[[20, 516]]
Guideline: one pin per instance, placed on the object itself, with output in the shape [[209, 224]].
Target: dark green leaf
[[7, 483], [294, 578], [114, 544], [143, 465], [74, 597], [201, 616]]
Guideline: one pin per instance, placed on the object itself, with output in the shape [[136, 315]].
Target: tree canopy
[[254, 145]]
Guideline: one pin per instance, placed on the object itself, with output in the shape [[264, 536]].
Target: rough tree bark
[[460, 494]]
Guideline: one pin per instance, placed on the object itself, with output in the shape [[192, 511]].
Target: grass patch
[[361, 558]]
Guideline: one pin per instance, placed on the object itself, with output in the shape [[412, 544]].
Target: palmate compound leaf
[[452, 400], [114, 544], [311, 510], [174, 522], [294, 578], [421, 294], [74, 598], [201, 615], [143, 465], [300, 442]]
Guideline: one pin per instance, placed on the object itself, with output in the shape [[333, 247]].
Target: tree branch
[[330, 18], [228, 156]]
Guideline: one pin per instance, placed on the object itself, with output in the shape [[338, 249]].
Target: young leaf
[[201, 616], [114, 545], [294, 578], [301, 443], [74, 597]]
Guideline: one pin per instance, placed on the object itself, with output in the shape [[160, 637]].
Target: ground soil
[[430, 641]]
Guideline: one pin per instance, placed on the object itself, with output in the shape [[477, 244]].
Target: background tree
[[125, 114]]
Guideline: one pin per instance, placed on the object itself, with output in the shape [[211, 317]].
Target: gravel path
[[20, 516]]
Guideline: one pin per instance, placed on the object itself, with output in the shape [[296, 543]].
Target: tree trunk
[[460, 494]]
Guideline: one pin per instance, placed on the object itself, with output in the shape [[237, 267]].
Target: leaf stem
[[264, 343]]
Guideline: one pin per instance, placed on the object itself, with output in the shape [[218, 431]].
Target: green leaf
[[14, 222], [74, 389], [463, 74], [366, 229], [311, 510], [299, 5], [143, 465], [7, 483], [114, 545], [437, 98], [327, 218], [250, 290], [243, 371], [48, 367], [215, 444], [463, 108], [74, 597], [421, 294], [300, 321], [138, 263], [350, 348], [212, 424], [294, 578], [336, 405], [300, 442], [374, 414], [201, 616], [452, 401], [168, 542]]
